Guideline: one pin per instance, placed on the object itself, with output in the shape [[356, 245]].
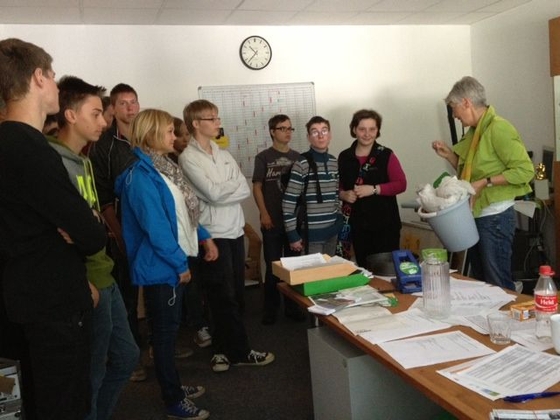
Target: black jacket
[[375, 212], [44, 277]]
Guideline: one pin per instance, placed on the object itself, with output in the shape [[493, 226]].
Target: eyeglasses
[[210, 119], [284, 129], [316, 133]]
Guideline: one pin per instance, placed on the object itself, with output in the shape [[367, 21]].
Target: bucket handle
[[426, 215]]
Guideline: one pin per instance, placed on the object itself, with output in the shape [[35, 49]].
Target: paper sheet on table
[[513, 371], [404, 324], [303, 261], [360, 319], [432, 349]]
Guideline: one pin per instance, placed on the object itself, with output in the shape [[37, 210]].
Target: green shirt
[[500, 151]]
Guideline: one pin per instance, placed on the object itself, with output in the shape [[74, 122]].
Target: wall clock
[[255, 52]]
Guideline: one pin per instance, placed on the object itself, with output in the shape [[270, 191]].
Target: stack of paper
[[328, 303], [515, 370]]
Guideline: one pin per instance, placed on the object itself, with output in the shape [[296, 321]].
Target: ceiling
[[252, 12]]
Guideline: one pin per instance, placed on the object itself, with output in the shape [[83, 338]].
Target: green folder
[[331, 285]]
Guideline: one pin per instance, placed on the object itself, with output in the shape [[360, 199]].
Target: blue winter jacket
[[149, 225]]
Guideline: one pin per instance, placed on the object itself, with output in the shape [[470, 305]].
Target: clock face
[[255, 52]]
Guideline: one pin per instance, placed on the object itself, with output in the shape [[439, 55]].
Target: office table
[[456, 399]]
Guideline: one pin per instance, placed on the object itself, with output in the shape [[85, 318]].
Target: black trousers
[[217, 278], [60, 352], [367, 242]]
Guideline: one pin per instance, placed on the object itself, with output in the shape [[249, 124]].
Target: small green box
[[331, 285]]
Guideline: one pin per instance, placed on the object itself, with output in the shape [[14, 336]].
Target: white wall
[[510, 55], [401, 71]]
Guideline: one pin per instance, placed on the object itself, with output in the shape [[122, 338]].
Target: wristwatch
[[489, 182]]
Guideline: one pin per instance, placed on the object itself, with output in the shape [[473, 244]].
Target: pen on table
[[527, 397]]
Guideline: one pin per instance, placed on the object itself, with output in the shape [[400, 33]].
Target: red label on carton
[[546, 303]]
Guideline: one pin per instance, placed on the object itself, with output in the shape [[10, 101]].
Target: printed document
[[432, 349], [404, 324], [515, 370]]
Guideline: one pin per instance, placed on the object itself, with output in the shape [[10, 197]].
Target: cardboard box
[[523, 311], [10, 390], [306, 275], [331, 285]]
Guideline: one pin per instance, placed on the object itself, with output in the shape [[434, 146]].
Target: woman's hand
[[349, 196], [185, 277], [364, 190], [445, 152], [94, 294]]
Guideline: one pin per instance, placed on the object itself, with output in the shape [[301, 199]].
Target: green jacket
[[500, 151], [98, 266]]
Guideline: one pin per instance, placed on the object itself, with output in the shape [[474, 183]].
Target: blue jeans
[[164, 304], [114, 353], [491, 256]]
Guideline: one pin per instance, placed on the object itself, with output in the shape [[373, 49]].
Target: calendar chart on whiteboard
[[246, 109]]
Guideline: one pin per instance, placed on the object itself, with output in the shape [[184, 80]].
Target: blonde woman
[[161, 233]]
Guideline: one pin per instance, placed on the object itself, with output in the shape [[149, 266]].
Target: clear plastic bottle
[[546, 302], [436, 288]]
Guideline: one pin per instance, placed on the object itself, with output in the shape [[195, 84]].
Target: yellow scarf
[[466, 173]]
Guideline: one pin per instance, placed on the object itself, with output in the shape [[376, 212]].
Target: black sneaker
[[193, 391], [185, 409], [256, 358]]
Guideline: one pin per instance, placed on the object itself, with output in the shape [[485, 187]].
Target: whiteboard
[[246, 109]]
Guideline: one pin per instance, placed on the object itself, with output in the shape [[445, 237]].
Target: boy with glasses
[[221, 187], [314, 178], [271, 166]]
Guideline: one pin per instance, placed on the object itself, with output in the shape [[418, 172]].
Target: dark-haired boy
[[110, 156], [114, 352], [271, 165], [47, 229]]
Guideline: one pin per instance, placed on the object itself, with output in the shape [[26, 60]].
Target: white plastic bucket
[[454, 226]]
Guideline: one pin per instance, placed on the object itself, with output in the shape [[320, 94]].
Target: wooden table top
[[456, 399]]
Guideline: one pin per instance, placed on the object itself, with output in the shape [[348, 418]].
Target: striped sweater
[[323, 217]]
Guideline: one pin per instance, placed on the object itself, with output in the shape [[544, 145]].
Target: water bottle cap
[[434, 255], [546, 270]]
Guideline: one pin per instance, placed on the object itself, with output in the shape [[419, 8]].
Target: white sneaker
[[203, 338]]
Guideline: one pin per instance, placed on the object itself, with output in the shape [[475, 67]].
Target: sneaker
[[179, 353], [138, 374], [220, 363], [256, 358], [193, 391], [183, 353], [203, 338], [185, 409]]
